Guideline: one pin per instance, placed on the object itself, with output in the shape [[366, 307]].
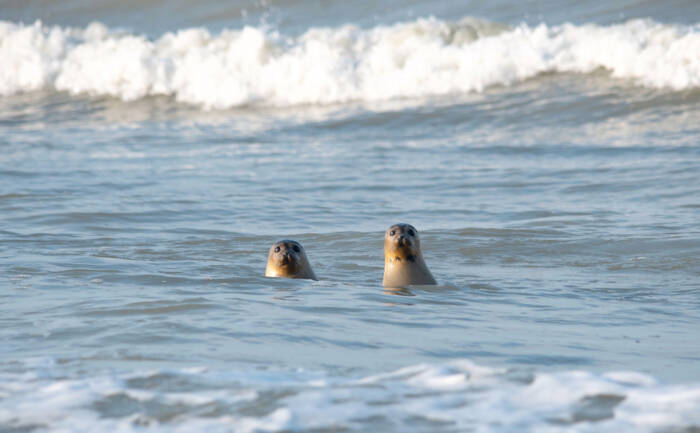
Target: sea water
[[547, 152]]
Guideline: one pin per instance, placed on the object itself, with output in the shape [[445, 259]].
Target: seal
[[287, 259], [403, 259]]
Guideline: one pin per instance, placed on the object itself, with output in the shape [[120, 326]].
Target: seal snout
[[285, 258], [403, 241], [288, 257]]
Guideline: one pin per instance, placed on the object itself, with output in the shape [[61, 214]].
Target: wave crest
[[258, 66]]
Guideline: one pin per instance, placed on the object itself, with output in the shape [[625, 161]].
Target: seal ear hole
[[411, 232], [277, 249], [296, 248]]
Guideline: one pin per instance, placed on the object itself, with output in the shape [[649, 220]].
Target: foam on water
[[433, 397], [258, 66]]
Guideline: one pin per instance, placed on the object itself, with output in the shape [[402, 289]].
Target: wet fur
[[403, 259], [287, 262]]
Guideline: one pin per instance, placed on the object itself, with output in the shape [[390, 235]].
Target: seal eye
[[392, 233], [277, 249], [296, 248], [411, 232]]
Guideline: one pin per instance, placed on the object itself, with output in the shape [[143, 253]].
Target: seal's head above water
[[287, 259], [403, 259]]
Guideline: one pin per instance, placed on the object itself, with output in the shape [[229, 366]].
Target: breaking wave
[[258, 66], [458, 396]]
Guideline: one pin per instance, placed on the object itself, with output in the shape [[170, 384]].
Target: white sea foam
[[458, 396], [257, 66]]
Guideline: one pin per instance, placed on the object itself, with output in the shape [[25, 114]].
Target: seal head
[[287, 259], [403, 259]]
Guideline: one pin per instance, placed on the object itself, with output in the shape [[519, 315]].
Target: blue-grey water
[[548, 153]]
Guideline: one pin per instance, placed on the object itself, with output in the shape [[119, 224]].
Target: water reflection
[[397, 291]]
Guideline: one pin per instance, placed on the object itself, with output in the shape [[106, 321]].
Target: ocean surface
[[548, 152]]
